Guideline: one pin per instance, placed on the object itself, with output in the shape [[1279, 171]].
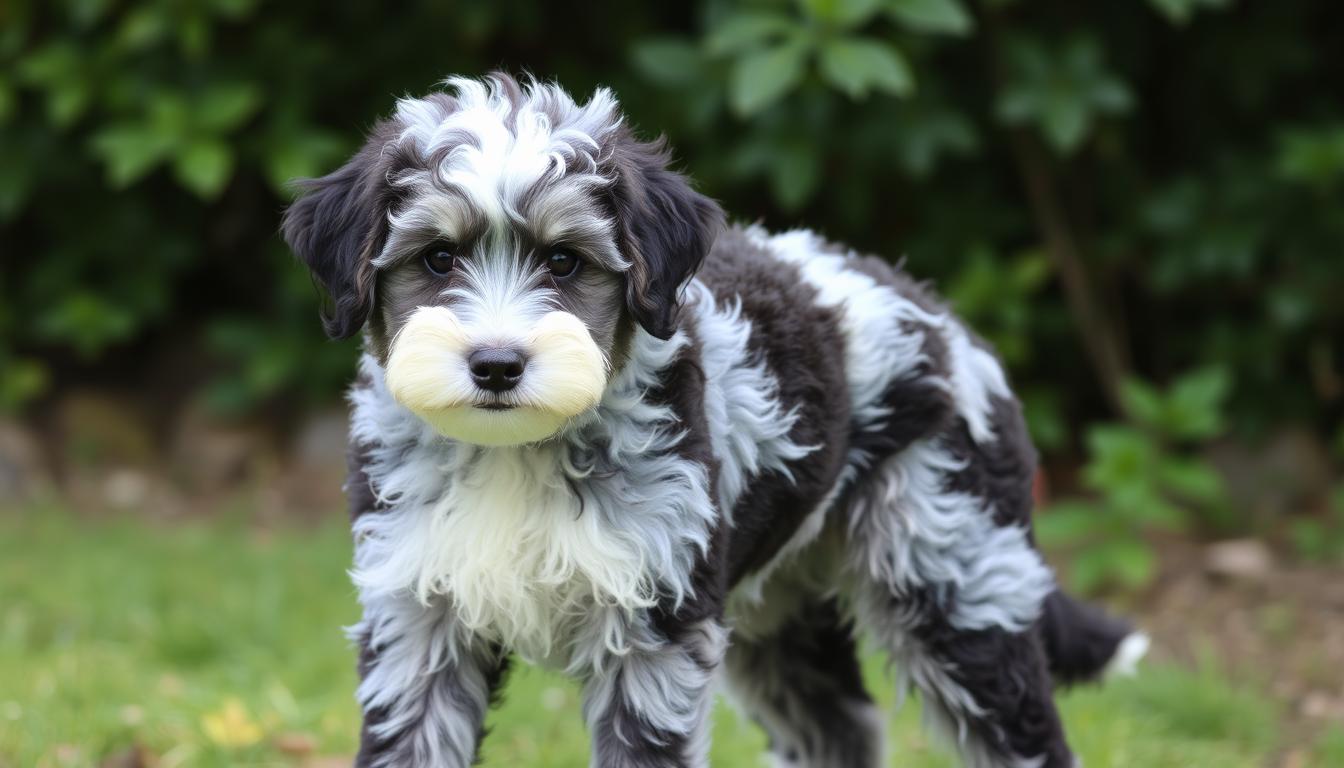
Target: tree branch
[[1100, 343]]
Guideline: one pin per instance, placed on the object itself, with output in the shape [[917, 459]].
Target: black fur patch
[[918, 404], [1000, 471], [682, 387], [360, 495], [338, 226], [666, 229], [1080, 639], [919, 292], [1007, 676], [359, 492], [807, 675], [804, 348], [370, 746]]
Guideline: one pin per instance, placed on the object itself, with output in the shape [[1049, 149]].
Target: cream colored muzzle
[[427, 372]]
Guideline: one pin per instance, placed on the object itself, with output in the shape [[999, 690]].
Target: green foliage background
[[1111, 192]]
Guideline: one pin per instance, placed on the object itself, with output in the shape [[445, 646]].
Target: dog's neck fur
[[536, 545]]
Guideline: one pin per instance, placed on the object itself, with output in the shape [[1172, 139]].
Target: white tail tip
[[1125, 662]]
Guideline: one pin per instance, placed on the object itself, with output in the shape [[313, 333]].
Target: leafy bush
[[1145, 479], [1322, 540], [1110, 191]]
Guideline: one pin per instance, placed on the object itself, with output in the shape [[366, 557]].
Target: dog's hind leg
[[801, 682], [954, 596], [987, 691]]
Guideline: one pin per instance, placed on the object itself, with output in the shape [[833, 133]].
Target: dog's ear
[[336, 227], [666, 229]]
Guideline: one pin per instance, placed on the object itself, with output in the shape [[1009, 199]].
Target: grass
[[218, 645]]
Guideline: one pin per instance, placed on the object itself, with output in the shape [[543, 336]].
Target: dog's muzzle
[[485, 390]]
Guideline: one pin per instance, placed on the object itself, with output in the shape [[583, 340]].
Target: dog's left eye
[[562, 263], [440, 259]]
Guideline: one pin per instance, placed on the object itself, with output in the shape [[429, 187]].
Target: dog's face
[[502, 244]]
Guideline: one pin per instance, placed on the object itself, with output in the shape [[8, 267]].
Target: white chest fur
[[531, 551], [510, 545]]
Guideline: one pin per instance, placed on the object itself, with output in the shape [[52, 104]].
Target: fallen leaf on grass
[[231, 725]]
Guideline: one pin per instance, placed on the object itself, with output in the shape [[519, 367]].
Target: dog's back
[[852, 362]]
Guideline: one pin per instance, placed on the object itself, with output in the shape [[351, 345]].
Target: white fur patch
[[976, 376], [874, 318], [507, 542], [496, 152], [880, 345], [910, 532], [1125, 662], [748, 427]]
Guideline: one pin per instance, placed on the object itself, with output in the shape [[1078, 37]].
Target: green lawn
[[215, 645]]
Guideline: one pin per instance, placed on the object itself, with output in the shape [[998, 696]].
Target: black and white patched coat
[[788, 446], [819, 448]]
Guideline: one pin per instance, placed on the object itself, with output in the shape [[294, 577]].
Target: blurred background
[[1140, 203]]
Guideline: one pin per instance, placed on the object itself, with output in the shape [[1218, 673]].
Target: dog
[[596, 428]]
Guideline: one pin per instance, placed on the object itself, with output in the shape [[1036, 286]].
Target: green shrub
[[1109, 191], [1321, 540], [1145, 478]]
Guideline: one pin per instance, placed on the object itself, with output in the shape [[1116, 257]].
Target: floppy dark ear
[[666, 230], [337, 227]]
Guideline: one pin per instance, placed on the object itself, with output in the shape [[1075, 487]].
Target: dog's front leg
[[649, 707], [425, 686]]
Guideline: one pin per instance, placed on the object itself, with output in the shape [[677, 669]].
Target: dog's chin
[[487, 426]]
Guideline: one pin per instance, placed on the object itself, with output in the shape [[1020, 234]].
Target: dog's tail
[[1084, 643]]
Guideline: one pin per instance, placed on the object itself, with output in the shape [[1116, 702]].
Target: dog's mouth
[[495, 406]]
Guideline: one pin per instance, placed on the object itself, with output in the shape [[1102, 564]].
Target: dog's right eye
[[440, 260]]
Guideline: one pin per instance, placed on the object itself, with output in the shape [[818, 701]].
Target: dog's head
[[501, 243]]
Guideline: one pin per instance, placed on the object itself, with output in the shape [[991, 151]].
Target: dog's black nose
[[495, 369]]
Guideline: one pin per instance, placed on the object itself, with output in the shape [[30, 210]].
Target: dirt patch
[[1280, 629]]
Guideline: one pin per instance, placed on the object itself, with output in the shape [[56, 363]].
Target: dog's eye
[[440, 259], [562, 263]]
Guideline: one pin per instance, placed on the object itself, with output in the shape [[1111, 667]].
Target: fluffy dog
[[597, 429]]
